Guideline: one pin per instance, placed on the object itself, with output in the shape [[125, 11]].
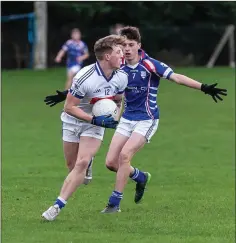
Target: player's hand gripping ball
[[105, 107]]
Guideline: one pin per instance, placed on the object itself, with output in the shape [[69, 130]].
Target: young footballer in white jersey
[[102, 79]]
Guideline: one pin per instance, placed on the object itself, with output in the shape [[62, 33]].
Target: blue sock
[[60, 202], [115, 198], [138, 176]]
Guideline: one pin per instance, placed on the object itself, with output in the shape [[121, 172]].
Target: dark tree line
[[190, 27], [143, 14]]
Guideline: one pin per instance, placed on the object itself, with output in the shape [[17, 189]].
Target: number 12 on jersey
[[107, 91]]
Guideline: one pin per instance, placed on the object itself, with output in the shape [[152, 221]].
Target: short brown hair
[[131, 33], [75, 30], [106, 45]]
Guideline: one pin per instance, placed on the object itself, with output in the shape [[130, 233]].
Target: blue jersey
[[74, 50], [140, 99]]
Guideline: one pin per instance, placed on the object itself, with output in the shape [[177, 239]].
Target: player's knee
[[82, 164], [111, 165], [70, 164], [124, 157]]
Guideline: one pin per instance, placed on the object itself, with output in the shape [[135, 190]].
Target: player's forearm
[[60, 54], [119, 108], [119, 102], [78, 113], [186, 81], [84, 57]]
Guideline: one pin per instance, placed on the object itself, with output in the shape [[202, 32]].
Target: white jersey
[[90, 84]]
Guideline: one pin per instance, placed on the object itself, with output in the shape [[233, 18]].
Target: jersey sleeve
[[78, 87], [160, 68], [85, 49], [65, 47]]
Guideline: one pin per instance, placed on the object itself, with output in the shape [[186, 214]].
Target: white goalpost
[[40, 57], [227, 36]]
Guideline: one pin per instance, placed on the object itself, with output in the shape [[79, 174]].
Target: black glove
[[213, 91], [104, 121], [52, 100]]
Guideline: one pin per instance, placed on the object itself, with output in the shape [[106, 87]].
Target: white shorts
[[72, 132], [74, 69], [147, 128]]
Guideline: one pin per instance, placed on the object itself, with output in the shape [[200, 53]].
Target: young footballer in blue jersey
[[140, 118], [77, 52]]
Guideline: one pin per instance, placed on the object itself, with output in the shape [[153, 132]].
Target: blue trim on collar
[[101, 73], [98, 69]]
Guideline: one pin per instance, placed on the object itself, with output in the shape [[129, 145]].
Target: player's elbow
[[177, 78], [68, 108]]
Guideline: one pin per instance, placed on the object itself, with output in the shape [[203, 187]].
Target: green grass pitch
[[190, 198]]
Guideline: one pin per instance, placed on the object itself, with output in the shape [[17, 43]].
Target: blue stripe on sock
[[115, 198], [138, 176], [135, 174], [59, 203]]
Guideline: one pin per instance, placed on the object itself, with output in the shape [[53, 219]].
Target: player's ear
[[107, 56], [139, 44]]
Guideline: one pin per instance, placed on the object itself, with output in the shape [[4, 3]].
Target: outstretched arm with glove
[[211, 89], [164, 71]]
